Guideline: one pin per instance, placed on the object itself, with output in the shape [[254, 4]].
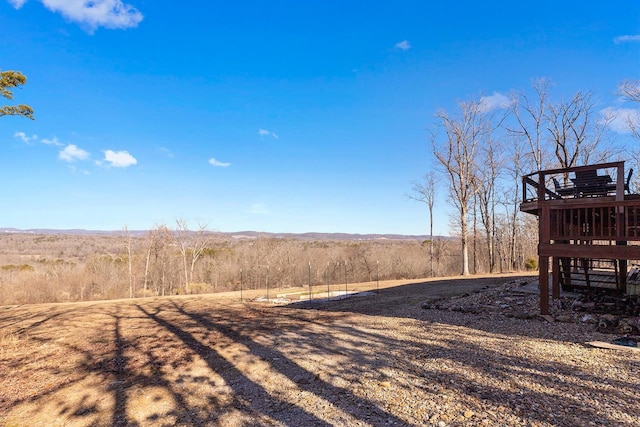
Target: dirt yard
[[376, 360]]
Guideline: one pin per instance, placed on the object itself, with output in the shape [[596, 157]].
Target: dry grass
[[213, 360]]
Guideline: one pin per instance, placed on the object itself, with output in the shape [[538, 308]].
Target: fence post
[[310, 293], [345, 279], [328, 282], [267, 283]]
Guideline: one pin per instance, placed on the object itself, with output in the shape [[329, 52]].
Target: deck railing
[[605, 179], [610, 222]]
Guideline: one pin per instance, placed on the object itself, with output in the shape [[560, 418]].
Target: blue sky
[[276, 116]]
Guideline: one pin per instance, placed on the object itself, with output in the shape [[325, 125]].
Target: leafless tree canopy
[[456, 147], [531, 119], [560, 133], [630, 89], [483, 153]]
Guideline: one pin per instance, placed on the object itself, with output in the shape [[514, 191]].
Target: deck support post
[[543, 284], [555, 277]]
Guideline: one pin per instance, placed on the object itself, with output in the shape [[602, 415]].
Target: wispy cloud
[[17, 3], [165, 151], [403, 45], [214, 162], [75, 170], [53, 141], [497, 101], [621, 120], [113, 14], [33, 138], [71, 153], [118, 159], [629, 38], [264, 132], [258, 209], [25, 138]]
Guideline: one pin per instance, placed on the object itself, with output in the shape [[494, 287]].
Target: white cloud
[[627, 39], [17, 3], [620, 120], [497, 101], [258, 209], [119, 159], [25, 138], [52, 141], [71, 153], [93, 13], [403, 45], [214, 162], [264, 132]]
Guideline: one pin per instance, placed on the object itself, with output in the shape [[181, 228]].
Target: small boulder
[[563, 318], [589, 318]]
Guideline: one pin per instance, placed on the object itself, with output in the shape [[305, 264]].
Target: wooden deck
[[586, 214]]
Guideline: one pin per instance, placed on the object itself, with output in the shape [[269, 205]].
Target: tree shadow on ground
[[405, 301], [365, 352], [390, 301], [195, 361], [460, 340], [231, 375], [245, 333]]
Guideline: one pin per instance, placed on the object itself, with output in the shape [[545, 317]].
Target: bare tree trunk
[[431, 242], [485, 185], [146, 271], [182, 235], [464, 243], [475, 234], [425, 192], [130, 261], [456, 154]]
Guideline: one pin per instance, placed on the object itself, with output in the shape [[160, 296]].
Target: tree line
[[485, 146], [184, 260]]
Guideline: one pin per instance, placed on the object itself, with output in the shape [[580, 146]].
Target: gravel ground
[[368, 361]]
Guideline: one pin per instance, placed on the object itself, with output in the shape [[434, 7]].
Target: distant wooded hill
[[238, 235]]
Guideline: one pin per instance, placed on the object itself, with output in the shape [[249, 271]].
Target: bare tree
[[156, 239], [630, 90], [485, 184], [531, 119], [571, 132], [574, 130], [161, 269], [425, 191], [150, 245], [456, 153], [191, 245], [512, 198], [129, 243]]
